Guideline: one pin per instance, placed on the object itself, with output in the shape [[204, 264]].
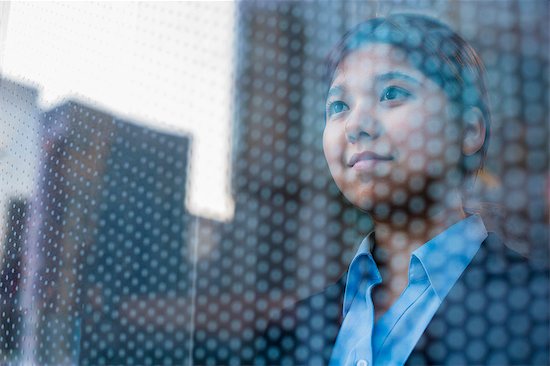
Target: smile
[[366, 159]]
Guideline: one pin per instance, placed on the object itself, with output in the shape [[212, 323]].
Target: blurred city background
[[163, 189]]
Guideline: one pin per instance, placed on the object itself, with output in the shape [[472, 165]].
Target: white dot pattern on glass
[[102, 262]]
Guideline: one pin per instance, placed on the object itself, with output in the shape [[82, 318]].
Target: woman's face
[[389, 140]]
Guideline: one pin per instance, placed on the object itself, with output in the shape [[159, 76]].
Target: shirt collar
[[442, 259], [362, 268], [445, 257]]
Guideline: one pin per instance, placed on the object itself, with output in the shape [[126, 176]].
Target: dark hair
[[438, 52]]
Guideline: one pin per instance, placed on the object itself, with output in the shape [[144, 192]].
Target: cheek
[[333, 148], [400, 123], [332, 145], [411, 129]]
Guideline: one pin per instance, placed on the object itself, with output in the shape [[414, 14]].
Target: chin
[[362, 199], [380, 208]]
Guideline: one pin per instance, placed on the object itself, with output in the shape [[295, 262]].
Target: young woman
[[406, 131], [406, 116]]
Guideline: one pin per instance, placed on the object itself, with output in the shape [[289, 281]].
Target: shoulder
[[495, 266], [497, 312]]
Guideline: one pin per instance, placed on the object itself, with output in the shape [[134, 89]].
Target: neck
[[398, 238], [395, 240]]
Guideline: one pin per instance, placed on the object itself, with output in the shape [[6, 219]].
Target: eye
[[394, 93], [336, 107]]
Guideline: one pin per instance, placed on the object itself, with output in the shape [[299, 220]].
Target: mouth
[[366, 156]]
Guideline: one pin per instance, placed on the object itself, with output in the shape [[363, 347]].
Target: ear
[[474, 131]]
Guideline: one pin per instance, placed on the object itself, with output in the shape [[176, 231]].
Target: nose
[[362, 124]]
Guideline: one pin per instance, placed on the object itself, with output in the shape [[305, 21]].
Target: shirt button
[[362, 363]]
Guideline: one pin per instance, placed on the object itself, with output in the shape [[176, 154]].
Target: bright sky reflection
[[166, 65]]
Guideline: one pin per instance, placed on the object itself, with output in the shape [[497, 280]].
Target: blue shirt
[[433, 270]]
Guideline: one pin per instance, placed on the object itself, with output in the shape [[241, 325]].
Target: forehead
[[372, 60]]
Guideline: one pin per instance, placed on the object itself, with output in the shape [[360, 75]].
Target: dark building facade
[[112, 209]]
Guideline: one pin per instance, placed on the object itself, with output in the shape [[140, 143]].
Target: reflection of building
[[19, 123], [10, 279], [19, 146], [283, 243], [113, 231]]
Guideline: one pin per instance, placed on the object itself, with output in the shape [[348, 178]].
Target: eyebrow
[[391, 75], [335, 90]]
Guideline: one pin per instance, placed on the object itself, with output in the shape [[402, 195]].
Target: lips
[[366, 156]]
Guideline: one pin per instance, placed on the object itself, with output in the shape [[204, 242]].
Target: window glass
[[172, 192]]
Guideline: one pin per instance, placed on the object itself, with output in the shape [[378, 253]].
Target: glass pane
[[199, 183]]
